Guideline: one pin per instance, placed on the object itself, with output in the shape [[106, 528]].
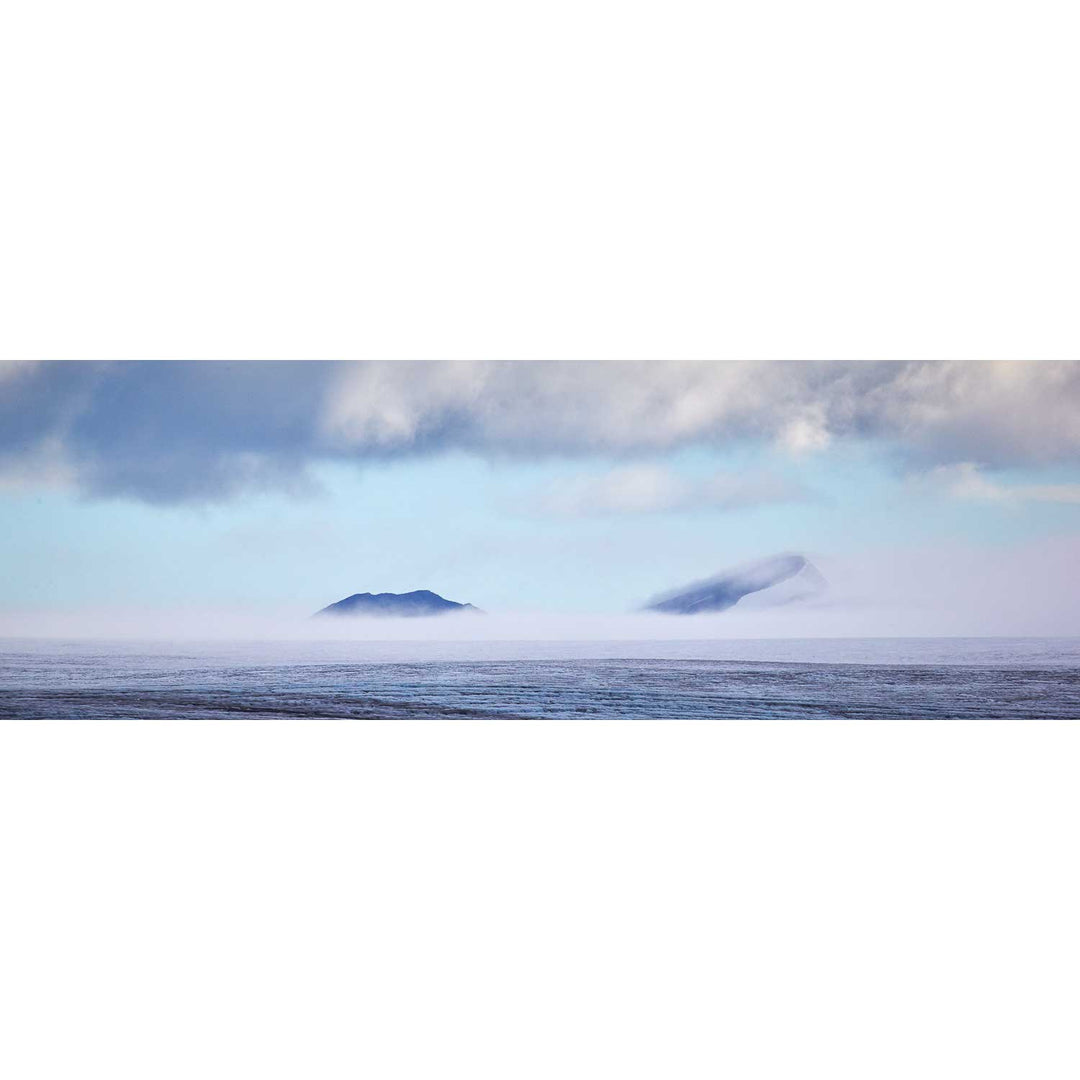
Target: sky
[[934, 497]]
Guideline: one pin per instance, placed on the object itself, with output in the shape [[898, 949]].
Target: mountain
[[778, 579], [420, 602]]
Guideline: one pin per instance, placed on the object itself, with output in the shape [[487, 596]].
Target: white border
[[586, 179], [836, 900]]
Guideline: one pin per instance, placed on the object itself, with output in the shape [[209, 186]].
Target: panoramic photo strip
[[540, 540]]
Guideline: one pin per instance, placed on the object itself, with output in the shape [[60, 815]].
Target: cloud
[[163, 432], [11, 369], [643, 489], [997, 413], [182, 431], [965, 480]]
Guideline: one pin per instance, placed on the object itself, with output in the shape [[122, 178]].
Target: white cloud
[[653, 489], [805, 435], [965, 480], [996, 412]]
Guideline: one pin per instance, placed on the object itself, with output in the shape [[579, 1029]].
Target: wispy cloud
[[644, 489], [171, 432], [965, 480]]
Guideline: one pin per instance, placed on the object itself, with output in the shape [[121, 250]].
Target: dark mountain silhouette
[[799, 578], [420, 602]]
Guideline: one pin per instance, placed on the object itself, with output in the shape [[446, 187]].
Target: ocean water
[[903, 678]]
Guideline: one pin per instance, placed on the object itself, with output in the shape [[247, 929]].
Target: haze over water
[[927, 678]]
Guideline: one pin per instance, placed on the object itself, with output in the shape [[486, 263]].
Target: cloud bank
[[188, 431]]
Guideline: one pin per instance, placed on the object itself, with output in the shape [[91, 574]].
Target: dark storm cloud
[[179, 431], [164, 432]]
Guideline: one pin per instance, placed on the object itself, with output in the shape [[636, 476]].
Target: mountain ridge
[[419, 602]]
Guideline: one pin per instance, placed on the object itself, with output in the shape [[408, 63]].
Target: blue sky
[[285, 522], [468, 529]]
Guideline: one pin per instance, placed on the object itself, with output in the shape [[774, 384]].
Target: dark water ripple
[[104, 684]]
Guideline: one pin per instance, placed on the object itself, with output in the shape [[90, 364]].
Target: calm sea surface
[[908, 678]]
